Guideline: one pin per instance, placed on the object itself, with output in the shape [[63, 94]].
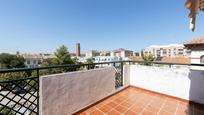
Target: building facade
[[197, 50], [92, 53], [100, 59], [32, 60], [108, 56], [123, 53], [171, 50]]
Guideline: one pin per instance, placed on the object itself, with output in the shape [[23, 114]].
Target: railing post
[[38, 94], [121, 67], [88, 67], [169, 65], [114, 64], [129, 63]]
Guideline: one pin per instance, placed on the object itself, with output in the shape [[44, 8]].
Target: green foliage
[[90, 60], [32, 85], [5, 111], [63, 56], [148, 60], [8, 61], [82, 69], [12, 76], [75, 60]]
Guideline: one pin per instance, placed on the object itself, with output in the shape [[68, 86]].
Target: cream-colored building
[[171, 50], [123, 53], [34, 60]]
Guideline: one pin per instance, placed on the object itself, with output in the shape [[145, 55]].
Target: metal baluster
[[38, 95], [121, 67]]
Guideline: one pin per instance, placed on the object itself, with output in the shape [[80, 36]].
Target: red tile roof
[[176, 60], [135, 58], [195, 41]]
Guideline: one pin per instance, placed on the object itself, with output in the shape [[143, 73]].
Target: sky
[[41, 26]]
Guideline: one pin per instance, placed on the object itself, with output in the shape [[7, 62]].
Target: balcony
[[135, 101], [111, 88]]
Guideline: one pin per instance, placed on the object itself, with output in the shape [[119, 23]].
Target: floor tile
[[133, 101], [121, 109], [96, 112], [147, 112], [113, 112], [129, 112], [105, 108]]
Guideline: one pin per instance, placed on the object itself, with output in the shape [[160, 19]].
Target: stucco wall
[[63, 94], [183, 82], [195, 56]]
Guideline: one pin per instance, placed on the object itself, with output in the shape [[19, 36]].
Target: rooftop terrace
[[111, 88], [137, 101]]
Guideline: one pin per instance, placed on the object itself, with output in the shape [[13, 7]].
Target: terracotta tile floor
[[133, 101]]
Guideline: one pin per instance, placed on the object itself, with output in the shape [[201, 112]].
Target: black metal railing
[[20, 93]]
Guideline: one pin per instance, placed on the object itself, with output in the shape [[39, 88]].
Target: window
[[202, 59], [28, 62], [34, 61]]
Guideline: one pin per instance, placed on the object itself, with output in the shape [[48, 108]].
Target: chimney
[[78, 52]]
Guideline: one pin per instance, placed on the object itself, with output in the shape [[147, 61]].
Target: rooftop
[[133, 101], [195, 41], [111, 88], [176, 60]]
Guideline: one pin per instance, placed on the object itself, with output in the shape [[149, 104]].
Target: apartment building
[[92, 53], [123, 53], [171, 50], [107, 56]]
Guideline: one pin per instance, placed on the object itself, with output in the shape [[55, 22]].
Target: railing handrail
[[79, 65], [54, 66]]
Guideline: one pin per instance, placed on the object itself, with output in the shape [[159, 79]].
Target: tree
[[148, 59], [76, 60], [63, 56], [90, 60], [8, 61], [46, 63]]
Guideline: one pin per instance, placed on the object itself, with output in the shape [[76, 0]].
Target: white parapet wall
[[178, 82], [66, 93]]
